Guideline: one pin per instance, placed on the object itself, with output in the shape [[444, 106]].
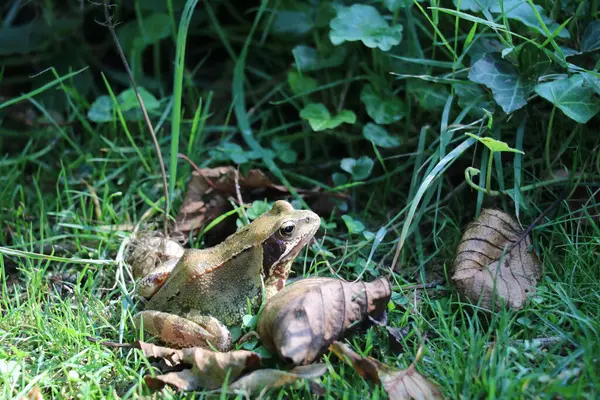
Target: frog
[[194, 297]]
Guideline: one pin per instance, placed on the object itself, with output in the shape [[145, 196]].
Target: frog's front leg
[[193, 330]]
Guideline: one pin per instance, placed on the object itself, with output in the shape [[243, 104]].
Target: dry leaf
[[198, 368], [205, 369], [272, 378], [494, 262], [398, 384], [207, 193], [303, 319]]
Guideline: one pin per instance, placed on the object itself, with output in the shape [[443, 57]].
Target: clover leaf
[[384, 109], [320, 119], [364, 23], [353, 225], [359, 168], [380, 136]]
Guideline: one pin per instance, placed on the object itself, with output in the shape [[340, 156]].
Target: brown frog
[[198, 293]]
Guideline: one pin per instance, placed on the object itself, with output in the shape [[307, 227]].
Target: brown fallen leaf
[[198, 368], [34, 394], [303, 319], [207, 193], [494, 262], [399, 384], [202, 368], [260, 379]]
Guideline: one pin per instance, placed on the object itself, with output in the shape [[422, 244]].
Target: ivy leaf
[[431, 96], [592, 81], [572, 97], [508, 87], [300, 83], [353, 225], [470, 95], [308, 59], [364, 23], [380, 136], [383, 109], [533, 62], [590, 41], [359, 168], [495, 146], [320, 119]]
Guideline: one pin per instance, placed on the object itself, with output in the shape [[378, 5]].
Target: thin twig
[[238, 193], [111, 27]]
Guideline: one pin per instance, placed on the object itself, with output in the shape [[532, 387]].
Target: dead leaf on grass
[[198, 368], [207, 193], [399, 384], [495, 262], [271, 378], [201, 368], [303, 319]]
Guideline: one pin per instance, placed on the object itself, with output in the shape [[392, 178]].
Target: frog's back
[[206, 282]]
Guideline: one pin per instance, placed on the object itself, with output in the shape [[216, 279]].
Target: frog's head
[[285, 231]]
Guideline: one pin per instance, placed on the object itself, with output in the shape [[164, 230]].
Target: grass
[[72, 190]]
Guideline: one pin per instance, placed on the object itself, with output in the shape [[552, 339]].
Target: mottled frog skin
[[194, 297]]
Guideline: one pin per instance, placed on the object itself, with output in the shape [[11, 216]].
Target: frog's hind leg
[[194, 331]]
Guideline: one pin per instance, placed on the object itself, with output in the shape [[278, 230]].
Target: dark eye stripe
[[272, 251]]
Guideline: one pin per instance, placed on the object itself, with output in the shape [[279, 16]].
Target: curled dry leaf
[[271, 378], [202, 368], [303, 319], [399, 384], [495, 262], [198, 368], [207, 193]]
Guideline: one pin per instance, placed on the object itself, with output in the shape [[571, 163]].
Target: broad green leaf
[[510, 90], [292, 22], [320, 119], [494, 145], [380, 136], [101, 110], [430, 96], [300, 83], [364, 23], [153, 28], [359, 168], [284, 151], [384, 109], [339, 178], [307, 59], [395, 5], [533, 62], [590, 41], [592, 81], [518, 10], [234, 152], [575, 99], [128, 100], [353, 225], [471, 95]]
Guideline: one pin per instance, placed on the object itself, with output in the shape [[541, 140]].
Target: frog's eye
[[287, 228]]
